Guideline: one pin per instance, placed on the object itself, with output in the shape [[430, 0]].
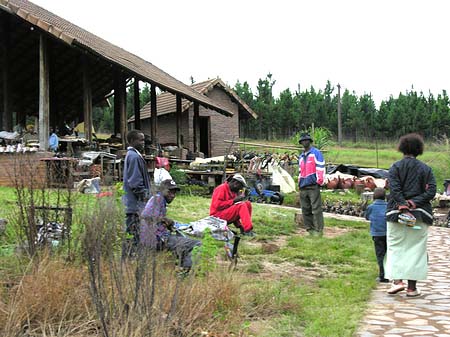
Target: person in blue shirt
[[53, 141], [136, 184], [376, 214]]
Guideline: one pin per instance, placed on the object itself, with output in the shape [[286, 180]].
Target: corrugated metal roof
[[166, 102], [74, 35]]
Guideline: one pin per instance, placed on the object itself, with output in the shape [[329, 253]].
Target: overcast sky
[[381, 47]]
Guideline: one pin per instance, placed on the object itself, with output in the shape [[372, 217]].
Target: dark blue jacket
[[136, 182], [376, 213], [410, 179]]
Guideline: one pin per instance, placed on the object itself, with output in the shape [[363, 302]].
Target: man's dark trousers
[[311, 203]]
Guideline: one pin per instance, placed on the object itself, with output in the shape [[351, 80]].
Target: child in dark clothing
[[376, 213]]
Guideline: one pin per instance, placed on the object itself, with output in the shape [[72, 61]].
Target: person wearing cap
[[136, 184], [311, 177], [156, 227], [229, 205]]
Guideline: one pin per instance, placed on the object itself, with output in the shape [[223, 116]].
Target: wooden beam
[[137, 105], [120, 108], [153, 115], [87, 100], [178, 121], [44, 97], [6, 113], [195, 125]]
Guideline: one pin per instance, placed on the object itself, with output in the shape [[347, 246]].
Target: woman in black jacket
[[412, 187]]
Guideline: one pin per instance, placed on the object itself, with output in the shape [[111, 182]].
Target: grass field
[[285, 284], [293, 290]]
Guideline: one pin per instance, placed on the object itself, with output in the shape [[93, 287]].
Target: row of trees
[[283, 116], [361, 120]]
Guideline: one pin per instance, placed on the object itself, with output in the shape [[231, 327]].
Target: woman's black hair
[[411, 144]]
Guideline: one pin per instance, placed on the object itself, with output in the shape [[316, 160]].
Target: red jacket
[[222, 198]]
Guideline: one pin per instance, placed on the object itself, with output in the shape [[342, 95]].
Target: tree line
[[283, 116]]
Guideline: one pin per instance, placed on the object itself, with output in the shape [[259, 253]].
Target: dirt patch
[[290, 270], [272, 270]]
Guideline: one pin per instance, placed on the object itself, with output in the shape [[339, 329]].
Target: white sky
[[381, 47]]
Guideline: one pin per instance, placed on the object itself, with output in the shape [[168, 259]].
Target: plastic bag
[[161, 174], [162, 162]]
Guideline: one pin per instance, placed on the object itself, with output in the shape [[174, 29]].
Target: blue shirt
[[53, 142], [376, 213]]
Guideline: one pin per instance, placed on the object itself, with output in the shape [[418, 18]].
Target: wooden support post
[[153, 115], [117, 79], [44, 97], [120, 111], [87, 100], [195, 125], [6, 114], [137, 105], [178, 121]]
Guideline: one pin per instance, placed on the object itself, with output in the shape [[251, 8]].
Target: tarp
[[358, 171]]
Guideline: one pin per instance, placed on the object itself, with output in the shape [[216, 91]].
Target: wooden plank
[[87, 100], [120, 111], [117, 79], [178, 121], [44, 97], [265, 145], [5, 119], [195, 125], [153, 115], [137, 104]]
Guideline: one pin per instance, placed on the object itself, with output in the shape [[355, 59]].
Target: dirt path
[[325, 214], [427, 315]]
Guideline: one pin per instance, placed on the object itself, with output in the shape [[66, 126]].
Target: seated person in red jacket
[[229, 205]]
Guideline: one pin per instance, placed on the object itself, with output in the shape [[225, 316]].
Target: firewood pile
[[345, 207]]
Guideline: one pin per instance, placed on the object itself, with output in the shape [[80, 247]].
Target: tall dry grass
[[98, 293], [54, 299]]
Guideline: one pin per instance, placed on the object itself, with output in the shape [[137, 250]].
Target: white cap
[[240, 178]]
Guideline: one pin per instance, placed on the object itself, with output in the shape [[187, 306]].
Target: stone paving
[[426, 315]]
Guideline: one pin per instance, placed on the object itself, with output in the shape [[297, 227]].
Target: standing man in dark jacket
[[311, 177], [136, 184]]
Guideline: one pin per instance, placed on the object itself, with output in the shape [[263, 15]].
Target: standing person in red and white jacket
[[311, 177]]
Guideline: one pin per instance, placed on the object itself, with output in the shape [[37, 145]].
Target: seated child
[[376, 213]]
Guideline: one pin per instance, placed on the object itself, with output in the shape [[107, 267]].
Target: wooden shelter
[[200, 129], [55, 70]]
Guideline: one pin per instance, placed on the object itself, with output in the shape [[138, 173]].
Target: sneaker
[[413, 293], [395, 288], [249, 233], [382, 280]]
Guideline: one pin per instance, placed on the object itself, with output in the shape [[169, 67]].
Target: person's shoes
[[413, 293], [382, 280], [249, 233], [395, 288]]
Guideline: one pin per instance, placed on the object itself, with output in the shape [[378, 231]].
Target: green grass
[[330, 305]]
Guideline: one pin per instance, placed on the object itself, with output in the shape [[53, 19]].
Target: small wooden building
[[212, 127], [55, 71]]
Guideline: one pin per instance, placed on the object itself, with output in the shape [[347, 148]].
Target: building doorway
[[205, 146]]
